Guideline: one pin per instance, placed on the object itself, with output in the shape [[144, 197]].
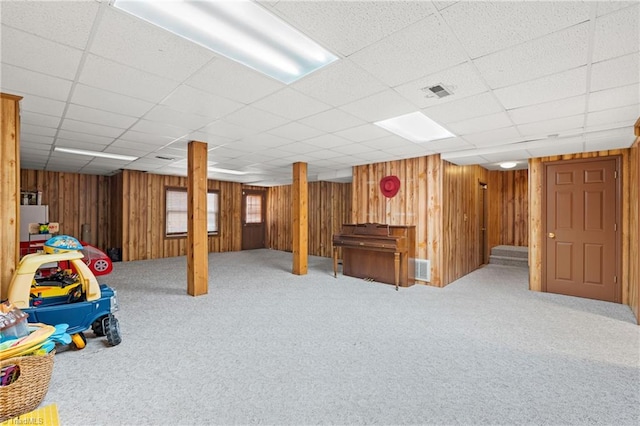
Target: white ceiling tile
[[257, 119], [37, 130], [615, 140], [386, 142], [627, 115], [440, 5], [380, 106], [232, 80], [212, 141], [418, 50], [362, 133], [195, 101], [265, 141], [553, 126], [494, 137], [108, 75], [346, 27], [332, 120], [339, 83], [91, 139], [486, 27], [37, 54], [612, 31], [295, 131], [23, 82], [468, 160], [291, 104], [512, 155], [547, 55], [557, 147], [464, 109], [448, 145], [145, 138], [64, 22], [409, 151], [127, 151], [605, 7], [126, 39], [351, 149], [68, 143], [327, 141], [90, 128], [480, 124], [42, 105], [545, 89], [159, 128], [164, 114], [109, 101], [549, 110], [613, 98], [620, 71], [105, 118], [228, 130], [27, 117], [45, 141], [462, 80], [299, 148]]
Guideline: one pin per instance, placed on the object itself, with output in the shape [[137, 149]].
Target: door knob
[[552, 235]]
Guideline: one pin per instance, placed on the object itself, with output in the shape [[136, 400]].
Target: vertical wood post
[[300, 219], [536, 170], [435, 236], [9, 189], [197, 240]]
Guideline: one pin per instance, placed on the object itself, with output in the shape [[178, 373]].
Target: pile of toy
[[26, 360]]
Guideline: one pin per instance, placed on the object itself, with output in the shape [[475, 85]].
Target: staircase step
[[511, 251], [509, 261]]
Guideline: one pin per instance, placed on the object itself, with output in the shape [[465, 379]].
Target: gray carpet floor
[[269, 347]]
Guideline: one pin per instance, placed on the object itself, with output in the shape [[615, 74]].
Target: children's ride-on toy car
[[71, 296]]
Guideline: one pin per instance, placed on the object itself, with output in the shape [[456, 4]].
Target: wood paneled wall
[[329, 208], [143, 216], [439, 198], [629, 198], [75, 200], [634, 226], [508, 222], [461, 220], [9, 188]]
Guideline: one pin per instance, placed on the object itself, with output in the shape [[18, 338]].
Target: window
[[176, 212], [253, 209]]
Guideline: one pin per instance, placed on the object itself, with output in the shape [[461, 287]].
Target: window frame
[[173, 235]]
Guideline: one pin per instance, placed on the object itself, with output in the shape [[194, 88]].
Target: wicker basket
[[26, 393]]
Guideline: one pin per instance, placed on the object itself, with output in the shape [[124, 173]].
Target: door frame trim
[[618, 215]]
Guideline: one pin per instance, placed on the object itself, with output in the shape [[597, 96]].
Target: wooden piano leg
[[335, 262], [396, 265]]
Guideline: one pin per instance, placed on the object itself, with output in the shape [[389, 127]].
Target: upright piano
[[376, 251]]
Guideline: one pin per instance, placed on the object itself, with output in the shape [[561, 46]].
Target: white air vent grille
[[423, 269]]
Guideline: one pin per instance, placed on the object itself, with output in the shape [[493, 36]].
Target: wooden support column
[[197, 239], [300, 219], [9, 189]]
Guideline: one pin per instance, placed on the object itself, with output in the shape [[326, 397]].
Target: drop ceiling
[[528, 79]]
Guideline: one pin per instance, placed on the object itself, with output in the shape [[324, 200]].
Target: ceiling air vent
[[164, 158], [438, 90]]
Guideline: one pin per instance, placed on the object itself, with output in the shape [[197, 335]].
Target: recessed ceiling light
[[241, 30], [95, 153], [508, 164], [415, 127]]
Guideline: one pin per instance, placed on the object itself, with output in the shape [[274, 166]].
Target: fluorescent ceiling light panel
[[95, 154], [227, 171], [241, 30], [415, 127]]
